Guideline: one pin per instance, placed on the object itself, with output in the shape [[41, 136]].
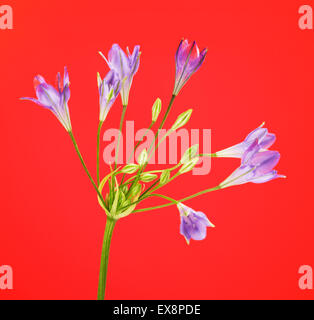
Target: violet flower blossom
[[257, 166], [109, 89], [54, 100], [193, 223], [188, 60], [265, 140], [125, 66]]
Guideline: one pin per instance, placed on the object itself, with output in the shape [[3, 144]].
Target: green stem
[[159, 142], [136, 146], [119, 137], [139, 142], [85, 168], [162, 122], [156, 182], [164, 197], [212, 155], [161, 170], [105, 258], [181, 200], [170, 180], [135, 181], [142, 197], [98, 146]]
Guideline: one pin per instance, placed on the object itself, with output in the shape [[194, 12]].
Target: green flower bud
[[148, 177], [142, 159], [189, 154], [164, 177], [156, 109], [130, 168], [121, 198], [135, 190], [124, 189], [126, 203], [182, 119], [189, 165]]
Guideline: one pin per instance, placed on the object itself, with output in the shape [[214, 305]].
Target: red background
[[259, 67]]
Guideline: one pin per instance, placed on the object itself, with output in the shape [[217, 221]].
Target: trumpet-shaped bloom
[[125, 66], [54, 100], [264, 138], [193, 223], [188, 60], [109, 89], [257, 166]]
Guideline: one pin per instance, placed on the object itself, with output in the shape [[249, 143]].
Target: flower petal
[[250, 152], [266, 177], [265, 161], [48, 95], [235, 151], [185, 228], [268, 141], [119, 61], [202, 217], [36, 101], [66, 79], [258, 133]]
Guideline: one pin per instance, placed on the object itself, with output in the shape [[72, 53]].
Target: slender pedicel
[[84, 166], [181, 200], [98, 148], [119, 136], [161, 124]]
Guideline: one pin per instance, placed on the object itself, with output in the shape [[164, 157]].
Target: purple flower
[[257, 166], [265, 140], [193, 223], [125, 66], [188, 60], [109, 89], [54, 100]]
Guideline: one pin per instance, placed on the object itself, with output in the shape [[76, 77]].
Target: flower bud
[[142, 159], [130, 168], [148, 177], [164, 177], [188, 166], [126, 203], [188, 60], [189, 154], [124, 189], [182, 119], [156, 110], [121, 198], [135, 190]]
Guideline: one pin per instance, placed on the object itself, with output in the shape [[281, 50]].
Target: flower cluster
[[125, 66], [131, 184]]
